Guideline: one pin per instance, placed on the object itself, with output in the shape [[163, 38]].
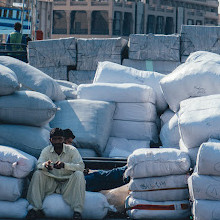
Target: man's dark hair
[[56, 132], [17, 26], [67, 133]]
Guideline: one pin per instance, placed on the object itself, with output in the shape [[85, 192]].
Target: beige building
[[111, 18]]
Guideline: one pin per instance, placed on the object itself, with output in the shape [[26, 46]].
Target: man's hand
[[48, 165], [58, 165]]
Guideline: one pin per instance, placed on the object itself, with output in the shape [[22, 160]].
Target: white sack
[[122, 147], [90, 121], [69, 92], [17, 209], [162, 195], [194, 78], [32, 78], [66, 83], [135, 130], [95, 206], [166, 116], [164, 210], [8, 81], [135, 112], [113, 92], [27, 108], [164, 188], [10, 188], [117, 197], [192, 152], [15, 163], [157, 162], [108, 72], [158, 183], [199, 119], [169, 133], [208, 159], [31, 140], [206, 210], [204, 187]]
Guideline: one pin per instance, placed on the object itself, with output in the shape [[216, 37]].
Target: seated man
[[102, 179], [59, 170]]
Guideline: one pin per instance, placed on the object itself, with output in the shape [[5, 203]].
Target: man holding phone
[[59, 170]]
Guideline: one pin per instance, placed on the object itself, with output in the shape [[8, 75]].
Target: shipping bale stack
[[198, 121], [204, 183], [199, 38], [92, 51], [134, 119], [149, 52], [53, 56], [158, 186], [15, 166]]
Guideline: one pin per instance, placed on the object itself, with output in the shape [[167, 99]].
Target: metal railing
[[18, 51]]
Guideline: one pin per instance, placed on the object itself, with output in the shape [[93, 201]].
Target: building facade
[[112, 18]]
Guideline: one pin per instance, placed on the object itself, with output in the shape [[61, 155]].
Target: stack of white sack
[[204, 184], [198, 76], [15, 166], [69, 89], [89, 120], [134, 117], [96, 206], [158, 184], [25, 115], [169, 133], [108, 72], [199, 120], [33, 79]]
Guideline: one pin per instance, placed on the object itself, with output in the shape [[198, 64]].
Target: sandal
[[77, 216]]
